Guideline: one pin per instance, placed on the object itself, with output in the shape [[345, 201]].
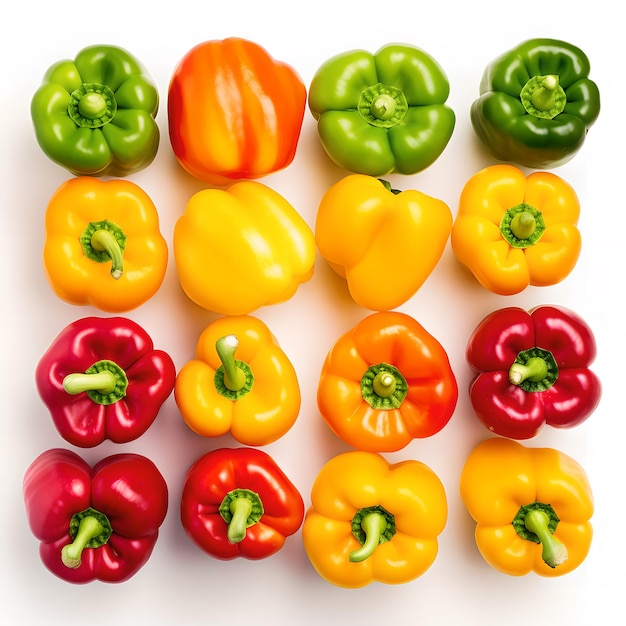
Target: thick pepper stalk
[[94, 523]]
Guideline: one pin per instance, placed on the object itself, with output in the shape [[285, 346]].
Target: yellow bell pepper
[[241, 248], [532, 507], [240, 381], [513, 230], [103, 245], [384, 243], [370, 520]]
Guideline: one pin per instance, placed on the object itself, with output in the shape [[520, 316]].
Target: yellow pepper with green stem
[[532, 507]]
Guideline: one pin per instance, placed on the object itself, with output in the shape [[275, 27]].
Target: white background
[[180, 584]]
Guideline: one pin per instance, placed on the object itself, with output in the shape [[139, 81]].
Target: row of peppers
[[384, 383]]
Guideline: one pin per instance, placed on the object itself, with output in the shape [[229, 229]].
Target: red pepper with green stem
[[102, 378], [237, 502], [99, 523], [531, 369]]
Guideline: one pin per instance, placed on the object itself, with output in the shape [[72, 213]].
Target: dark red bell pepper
[[237, 502], [102, 379], [532, 368], [99, 523]]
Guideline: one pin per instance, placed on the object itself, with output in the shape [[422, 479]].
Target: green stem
[[103, 382], [523, 225], [554, 552], [544, 97], [240, 509], [384, 384], [373, 525], [534, 370], [383, 107], [234, 376], [88, 528], [105, 241]]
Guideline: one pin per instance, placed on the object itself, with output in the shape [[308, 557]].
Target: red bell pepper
[[237, 502], [102, 379], [532, 368], [99, 523]]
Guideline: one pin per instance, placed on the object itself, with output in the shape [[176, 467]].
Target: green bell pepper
[[382, 113], [95, 115], [536, 104]]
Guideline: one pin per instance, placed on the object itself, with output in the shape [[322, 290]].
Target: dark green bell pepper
[[536, 104], [382, 113], [95, 115]]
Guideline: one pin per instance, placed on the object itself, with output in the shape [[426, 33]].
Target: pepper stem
[[384, 384], [103, 382], [534, 370], [554, 552], [523, 225], [383, 107], [234, 376], [104, 241], [373, 525], [240, 509], [543, 98], [71, 554]]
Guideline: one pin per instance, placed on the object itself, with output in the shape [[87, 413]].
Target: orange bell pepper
[[514, 230], [386, 382], [234, 112], [240, 381], [384, 243], [103, 244]]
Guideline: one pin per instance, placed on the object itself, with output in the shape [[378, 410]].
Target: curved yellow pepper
[[370, 520], [532, 507], [103, 245], [384, 243], [513, 231], [240, 381], [241, 248]]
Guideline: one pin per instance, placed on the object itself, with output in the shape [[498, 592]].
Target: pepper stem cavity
[[105, 382], [534, 370], [371, 526], [88, 529], [92, 105], [383, 106], [383, 386], [537, 522], [522, 226], [105, 241], [233, 378], [240, 509], [543, 97]]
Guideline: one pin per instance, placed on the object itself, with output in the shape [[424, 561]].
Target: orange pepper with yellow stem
[[103, 244], [513, 230], [240, 381], [532, 507]]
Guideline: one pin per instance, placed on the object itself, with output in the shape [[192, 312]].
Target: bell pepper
[[531, 368], [238, 503], [536, 104], [371, 520], [513, 230], [103, 245], [95, 115], [241, 248], [386, 382], [384, 112], [94, 523], [383, 242], [240, 382], [102, 378], [234, 112], [532, 507]]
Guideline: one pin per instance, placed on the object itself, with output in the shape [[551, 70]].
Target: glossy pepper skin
[[532, 507], [513, 231], [386, 382], [103, 244], [241, 248], [531, 368], [536, 104], [383, 242], [384, 112], [239, 382], [238, 503], [102, 378], [234, 112], [95, 114], [371, 520], [94, 523]]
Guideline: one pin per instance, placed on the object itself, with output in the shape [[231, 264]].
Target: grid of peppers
[[235, 115]]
